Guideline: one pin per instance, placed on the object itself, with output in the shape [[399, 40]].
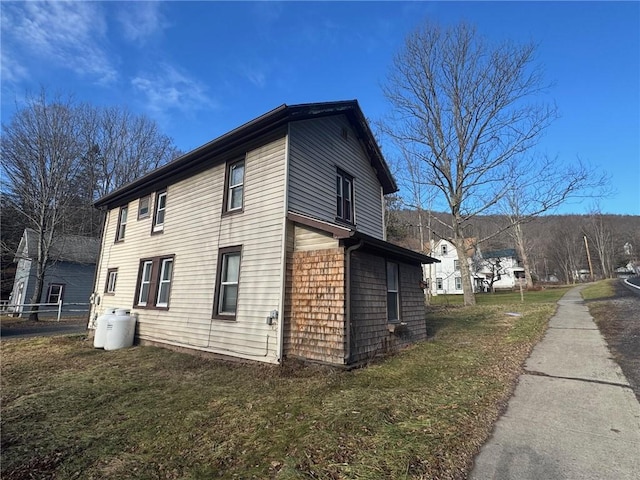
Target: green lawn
[[501, 298], [70, 411], [599, 291]]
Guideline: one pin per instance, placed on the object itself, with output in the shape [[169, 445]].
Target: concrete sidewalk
[[572, 415]]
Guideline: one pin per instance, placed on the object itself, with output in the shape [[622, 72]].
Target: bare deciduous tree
[[58, 157], [40, 159], [540, 186], [600, 234], [468, 110]]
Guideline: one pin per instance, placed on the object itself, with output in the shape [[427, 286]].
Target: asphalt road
[[46, 329]]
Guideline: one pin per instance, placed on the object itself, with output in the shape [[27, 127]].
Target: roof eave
[[261, 125]]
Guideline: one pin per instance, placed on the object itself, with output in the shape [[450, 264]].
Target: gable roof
[[470, 246], [198, 159], [504, 253], [65, 248]]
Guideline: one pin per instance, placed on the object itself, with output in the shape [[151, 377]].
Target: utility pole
[[586, 244]]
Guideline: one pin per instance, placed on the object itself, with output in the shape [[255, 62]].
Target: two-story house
[[501, 269], [265, 243], [445, 276], [493, 270]]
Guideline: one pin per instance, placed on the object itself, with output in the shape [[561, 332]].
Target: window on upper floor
[[227, 283], [144, 205], [234, 187], [154, 282], [122, 223], [344, 197], [160, 208], [112, 277], [443, 249], [393, 293], [54, 294], [456, 264]]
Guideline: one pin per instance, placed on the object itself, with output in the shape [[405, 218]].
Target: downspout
[[283, 271], [347, 299]]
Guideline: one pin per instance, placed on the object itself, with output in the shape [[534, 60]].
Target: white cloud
[[169, 89], [255, 76], [12, 70], [141, 20], [68, 34]]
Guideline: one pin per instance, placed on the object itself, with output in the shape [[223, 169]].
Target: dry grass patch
[[69, 411]]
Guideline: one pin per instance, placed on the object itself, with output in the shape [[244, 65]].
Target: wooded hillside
[[555, 243]]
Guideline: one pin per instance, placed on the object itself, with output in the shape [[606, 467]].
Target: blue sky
[[202, 68]]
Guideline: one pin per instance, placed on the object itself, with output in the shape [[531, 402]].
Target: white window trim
[[224, 284], [111, 281], [162, 281], [395, 291], [157, 226], [122, 223], [143, 282], [148, 212], [59, 294], [231, 187]]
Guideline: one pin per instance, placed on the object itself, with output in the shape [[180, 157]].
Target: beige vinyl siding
[[317, 147], [194, 230], [307, 238]]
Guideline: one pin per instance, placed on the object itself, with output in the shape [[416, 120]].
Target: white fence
[[19, 310]]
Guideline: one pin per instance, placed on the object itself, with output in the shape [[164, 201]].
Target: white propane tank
[[121, 329], [101, 328]]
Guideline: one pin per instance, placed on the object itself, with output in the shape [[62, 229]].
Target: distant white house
[[494, 270], [445, 277], [501, 270]]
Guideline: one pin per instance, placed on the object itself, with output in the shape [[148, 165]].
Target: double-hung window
[[393, 293], [154, 282], [122, 223], [112, 277], [54, 295], [143, 207], [227, 282], [145, 283], [438, 283], [161, 206], [344, 197], [458, 281], [164, 284], [456, 264], [234, 187]]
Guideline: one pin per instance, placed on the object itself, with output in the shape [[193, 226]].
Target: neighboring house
[[493, 270], [265, 243], [501, 270], [445, 276], [69, 273]]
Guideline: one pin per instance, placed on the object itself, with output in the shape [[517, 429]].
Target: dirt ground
[[619, 321]]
